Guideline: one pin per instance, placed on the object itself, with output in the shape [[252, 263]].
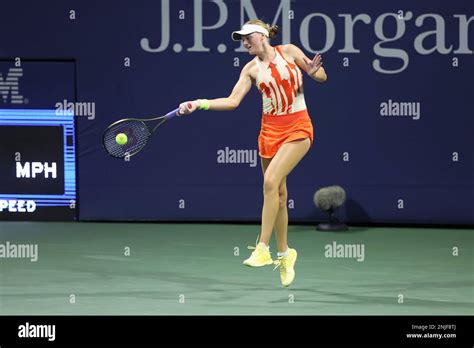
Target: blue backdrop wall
[[393, 123]]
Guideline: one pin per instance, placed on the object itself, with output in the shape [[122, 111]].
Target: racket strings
[[137, 136]]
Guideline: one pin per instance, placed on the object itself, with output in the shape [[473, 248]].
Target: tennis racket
[[128, 136]]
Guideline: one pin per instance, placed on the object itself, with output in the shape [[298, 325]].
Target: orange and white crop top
[[281, 85]]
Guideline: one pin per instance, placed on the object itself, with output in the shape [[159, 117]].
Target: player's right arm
[[239, 91]]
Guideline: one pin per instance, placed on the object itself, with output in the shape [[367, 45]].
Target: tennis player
[[286, 133]]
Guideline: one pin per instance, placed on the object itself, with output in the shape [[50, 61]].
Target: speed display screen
[[37, 165]]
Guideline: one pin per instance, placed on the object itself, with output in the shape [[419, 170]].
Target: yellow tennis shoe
[[259, 257], [287, 267]]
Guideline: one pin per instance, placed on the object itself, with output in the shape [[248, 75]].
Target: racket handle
[[172, 114], [175, 112]]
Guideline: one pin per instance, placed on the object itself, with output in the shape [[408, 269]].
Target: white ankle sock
[[267, 247], [283, 254]]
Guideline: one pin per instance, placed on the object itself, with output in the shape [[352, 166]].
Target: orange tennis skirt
[[280, 129]]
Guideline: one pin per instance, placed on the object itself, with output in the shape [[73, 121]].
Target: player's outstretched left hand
[[312, 66]]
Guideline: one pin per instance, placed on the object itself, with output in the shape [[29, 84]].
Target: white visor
[[249, 29]]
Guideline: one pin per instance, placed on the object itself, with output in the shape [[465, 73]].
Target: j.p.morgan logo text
[[9, 86], [429, 31]]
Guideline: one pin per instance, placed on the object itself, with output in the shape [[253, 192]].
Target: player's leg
[[261, 255], [287, 157], [281, 165], [281, 222]]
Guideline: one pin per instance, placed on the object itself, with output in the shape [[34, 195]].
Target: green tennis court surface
[[196, 269]]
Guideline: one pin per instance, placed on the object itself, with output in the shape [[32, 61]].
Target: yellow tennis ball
[[121, 138]]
